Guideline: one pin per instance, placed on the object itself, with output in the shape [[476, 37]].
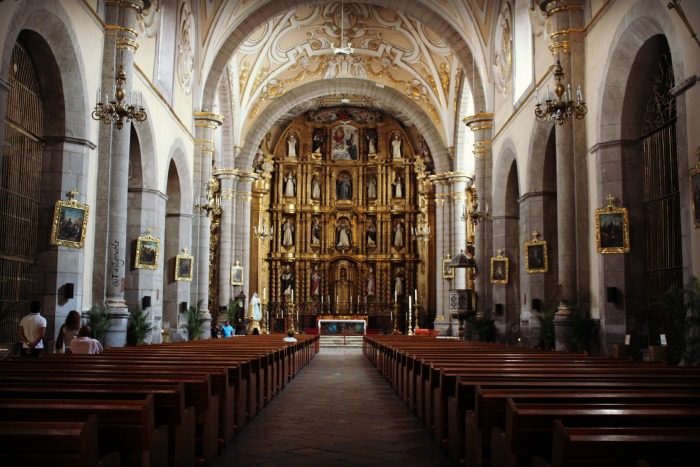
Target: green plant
[[582, 328], [232, 311], [194, 322], [545, 337], [139, 325], [98, 318], [682, 309], [483, 329]]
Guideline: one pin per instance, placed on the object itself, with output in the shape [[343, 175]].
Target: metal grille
[[661, 194], [19, 192]]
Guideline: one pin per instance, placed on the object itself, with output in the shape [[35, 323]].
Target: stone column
[[442, 234], [245, 187], [459, 183], [567, 21], [482, 126], [121, 18], [205, 124], [226, 244]]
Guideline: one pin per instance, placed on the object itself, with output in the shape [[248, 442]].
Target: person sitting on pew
[[84, 343], [68, 332], [290, 336], [31, 330]]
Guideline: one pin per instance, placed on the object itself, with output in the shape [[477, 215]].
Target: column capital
[[479, 121], [208, 119], [448, 177]]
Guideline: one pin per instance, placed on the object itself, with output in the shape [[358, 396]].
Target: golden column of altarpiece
[[343, 189]]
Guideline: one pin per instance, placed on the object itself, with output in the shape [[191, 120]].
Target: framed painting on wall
[[612, 228], [69, 223], [147, 250], [499, 269], [536, 255], [183, 266]]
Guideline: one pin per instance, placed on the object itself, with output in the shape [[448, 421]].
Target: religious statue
[[315, 232], [258, 160], [371, 144], [287, 281], [398, 235], [371, 187], [254, 313], [370, 282], [396, 146], [343, 188], [291, 146], [343, 236], [290, 184], [344, 143], [287, 233], [315, 187], [398, 187], [398, 285], [317, 143], [372, 234], [315, 282]]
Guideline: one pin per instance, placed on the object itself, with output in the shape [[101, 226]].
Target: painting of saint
[[343, 187], [344, 143]]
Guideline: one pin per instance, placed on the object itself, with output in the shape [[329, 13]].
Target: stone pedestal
[[118, 323]]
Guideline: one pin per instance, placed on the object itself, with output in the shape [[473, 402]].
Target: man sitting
[[290, 336], [84, 343], [227, 330]]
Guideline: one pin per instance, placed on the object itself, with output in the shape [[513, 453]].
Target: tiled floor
[[338, 411]]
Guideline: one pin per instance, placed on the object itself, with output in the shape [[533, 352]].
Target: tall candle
[[292, 295], [394, 296], [264, 293], [415, 294]]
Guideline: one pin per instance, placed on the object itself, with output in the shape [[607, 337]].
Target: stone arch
[[149, 159], [502, 167], [49, 21], [178, 156], [415, 8], [394, 102], [536, 159]]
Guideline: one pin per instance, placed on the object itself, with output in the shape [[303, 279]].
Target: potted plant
[[139, 326], [98, 320], [193, 322]]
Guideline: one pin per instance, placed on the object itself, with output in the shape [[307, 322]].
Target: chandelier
[[347, 50], [263, 232], [559, 109], [117, 110]]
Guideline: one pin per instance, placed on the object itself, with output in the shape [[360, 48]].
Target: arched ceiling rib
[[393, 102]]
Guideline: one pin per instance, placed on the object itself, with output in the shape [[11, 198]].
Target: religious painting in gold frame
[[612, 228], [499, 269], [695, 192], [536, 260], [69, 224], [447, 271], [147, 251], [237, 274], [183, 266]]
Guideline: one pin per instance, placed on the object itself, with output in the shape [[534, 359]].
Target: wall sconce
[[263, 231], [211, 202]]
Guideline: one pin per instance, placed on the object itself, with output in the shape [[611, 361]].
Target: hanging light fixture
[[117, 109], [559, 109], [346, 50]]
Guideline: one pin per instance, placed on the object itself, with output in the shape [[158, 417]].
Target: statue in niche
[[371, 187], [343, 187], [287, 280], [372, 234], [315, 282], [291, 146], [398, 186], [398, 284], [315, 232], [371, 144], [343, 236], [396, 146], [315, 187], [398, 235], [290, 185], [317, 142], [370, 282], [287, 233], [258, 160]]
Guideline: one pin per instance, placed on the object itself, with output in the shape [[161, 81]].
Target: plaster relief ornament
[[149, 19], [504, 48], [185, 48]]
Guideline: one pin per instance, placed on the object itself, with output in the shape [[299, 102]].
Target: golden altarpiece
[[347, 203]]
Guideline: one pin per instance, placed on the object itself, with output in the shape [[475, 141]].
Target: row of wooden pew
[[489, 404], [172, 404]]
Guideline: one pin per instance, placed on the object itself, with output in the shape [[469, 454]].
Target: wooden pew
[[59, 444], [126, 426], [529, 427], [624, 446], [169, 407]]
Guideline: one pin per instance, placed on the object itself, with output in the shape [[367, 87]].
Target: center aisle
[[338, 411]]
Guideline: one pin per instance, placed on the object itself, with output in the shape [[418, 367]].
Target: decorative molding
[[611, 144], [61, 139], [185, 47]]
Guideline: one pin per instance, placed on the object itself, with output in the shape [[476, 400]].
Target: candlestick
[[395, 296], [264, 293], [415, 294], [292, 295]]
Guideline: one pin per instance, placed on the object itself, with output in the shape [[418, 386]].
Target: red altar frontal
[[351, 324]]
